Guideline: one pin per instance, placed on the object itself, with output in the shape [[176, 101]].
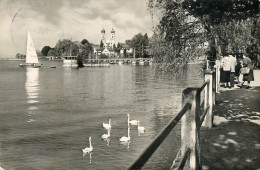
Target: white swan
[[106, 136], [107, 126], [132, 122], [140, 128], [88, 149], [124, 138]]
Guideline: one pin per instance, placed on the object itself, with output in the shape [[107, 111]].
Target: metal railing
[[191, 121]]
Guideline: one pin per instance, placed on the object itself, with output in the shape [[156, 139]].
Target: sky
[[51, 20]]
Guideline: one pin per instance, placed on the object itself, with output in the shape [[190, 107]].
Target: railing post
[[209, 117], [217, 65], [190, 130], [214, 77]]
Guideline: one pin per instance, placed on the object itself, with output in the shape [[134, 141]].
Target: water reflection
[[90, 156], [32, 90], [106, 137], [126, 144], [127, 139]]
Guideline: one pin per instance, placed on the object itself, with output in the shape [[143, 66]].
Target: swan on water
[[88, 149], [107, 126], [106, 136], [124, 138], [132, 122], [140, 128]]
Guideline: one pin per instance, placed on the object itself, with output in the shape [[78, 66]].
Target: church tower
[[112, 40], [103, 35]]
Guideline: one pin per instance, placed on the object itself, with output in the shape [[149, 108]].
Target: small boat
[[31, 55]]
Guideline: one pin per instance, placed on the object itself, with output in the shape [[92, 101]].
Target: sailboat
[[31, 56]]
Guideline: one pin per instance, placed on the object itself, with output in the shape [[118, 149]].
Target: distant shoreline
[[12, 59]]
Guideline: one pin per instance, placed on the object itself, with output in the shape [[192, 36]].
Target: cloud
[[51, 20]]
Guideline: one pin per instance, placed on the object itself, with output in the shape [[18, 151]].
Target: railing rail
[[184, 159], [159, 139], [203, 115], [191, 121]]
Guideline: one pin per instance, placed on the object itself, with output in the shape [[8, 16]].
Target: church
[[108, 43]]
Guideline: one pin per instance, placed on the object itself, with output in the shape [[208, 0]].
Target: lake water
[[48, 114]]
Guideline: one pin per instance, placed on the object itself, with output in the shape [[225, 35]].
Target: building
[[108, 43]]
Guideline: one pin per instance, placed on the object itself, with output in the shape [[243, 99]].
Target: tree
[[101, 44], [51, 52], [85, 50], [39, 54], [216, 15], [184, 25], [63, 47], [222, 11], [45, 50], [20, 56], [139, 42], [84, 41], [145, 45], [117, 48]]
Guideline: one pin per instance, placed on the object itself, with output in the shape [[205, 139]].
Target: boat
[[31, 55], [120, 62], [70, 61], [141, 62]]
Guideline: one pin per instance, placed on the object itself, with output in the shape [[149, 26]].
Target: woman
[[250, 76], [225, 64], [237, 70]]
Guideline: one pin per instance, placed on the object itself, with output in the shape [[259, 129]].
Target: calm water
[[47, 115]]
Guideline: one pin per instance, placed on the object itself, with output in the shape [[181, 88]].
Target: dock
[[99, 62]]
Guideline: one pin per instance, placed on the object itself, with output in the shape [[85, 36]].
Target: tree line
[[67, 47], [228, 26], [83, 49]]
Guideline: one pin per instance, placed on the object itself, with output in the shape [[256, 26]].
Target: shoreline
[[11, 59]]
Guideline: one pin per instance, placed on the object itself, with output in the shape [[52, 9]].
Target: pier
[[108, 61], [219, 128]]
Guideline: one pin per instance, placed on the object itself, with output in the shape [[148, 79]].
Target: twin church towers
[[108, 43]]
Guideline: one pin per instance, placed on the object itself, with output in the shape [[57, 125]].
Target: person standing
[[233, 62], [250, 76], [225, 64], [237, 70]]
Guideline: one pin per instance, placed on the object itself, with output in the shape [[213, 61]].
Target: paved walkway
[[234, 140]]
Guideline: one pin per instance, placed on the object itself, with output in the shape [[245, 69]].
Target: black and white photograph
[[129, 84]]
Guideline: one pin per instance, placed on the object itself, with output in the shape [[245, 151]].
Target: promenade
[[234, 140]]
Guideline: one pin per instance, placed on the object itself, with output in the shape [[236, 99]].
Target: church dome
[[112, 31], [103, 30]]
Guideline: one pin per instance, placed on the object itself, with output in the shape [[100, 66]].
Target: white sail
[[31, 56]]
